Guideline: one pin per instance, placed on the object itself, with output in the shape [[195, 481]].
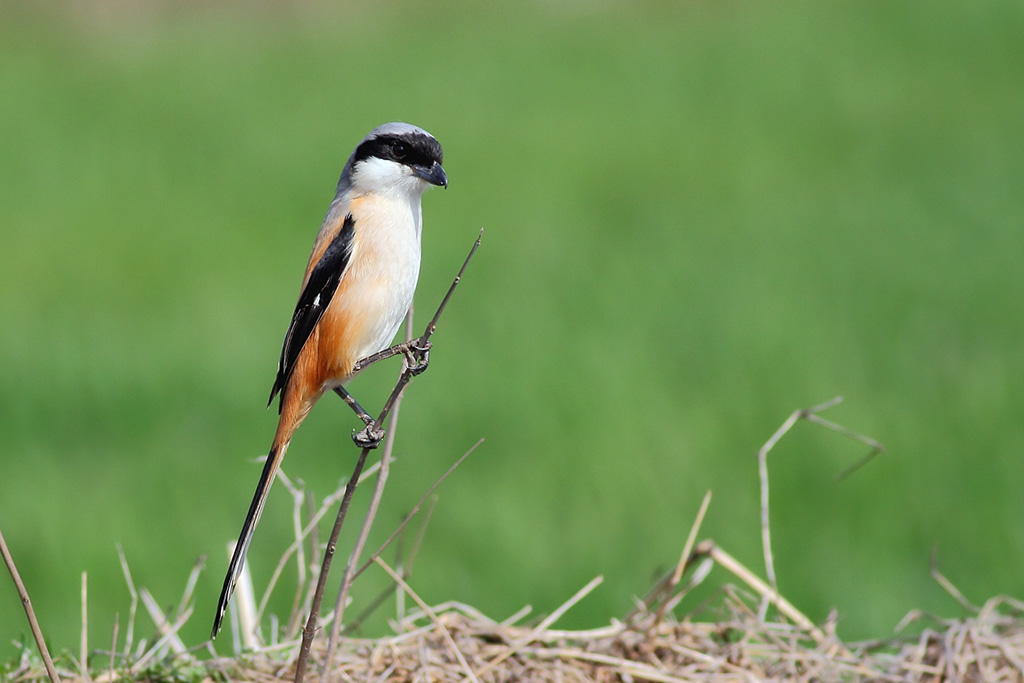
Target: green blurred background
[[699, 217]]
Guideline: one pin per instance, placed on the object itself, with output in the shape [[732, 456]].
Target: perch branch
[[371, 514], [314, 613]]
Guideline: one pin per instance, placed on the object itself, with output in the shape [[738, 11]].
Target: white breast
[[385, 266]]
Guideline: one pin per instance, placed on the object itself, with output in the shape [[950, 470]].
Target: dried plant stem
[[748, 577], [540, 628], [164, 627], [83, 641], [947, 585], [677, 575], [371, 515], [168, 636], [811, 415], [416, 508], [113, 649], [33, 623], [332, 543], [130, 633], [302, 533], [299, 500], [245, 606], [314, 613], [433, 617], [350, 576]]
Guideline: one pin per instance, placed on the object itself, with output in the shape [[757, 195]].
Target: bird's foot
[[369, 437], [417, 355]]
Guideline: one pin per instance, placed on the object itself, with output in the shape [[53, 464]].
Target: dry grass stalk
[[684, 559], [30, 613], [132, 607], [83, 639], [810, 415]]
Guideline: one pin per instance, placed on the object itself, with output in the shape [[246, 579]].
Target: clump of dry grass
[[454, 642], [727, 640], [747, 632]]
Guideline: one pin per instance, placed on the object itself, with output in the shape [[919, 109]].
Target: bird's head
[[396, 157]]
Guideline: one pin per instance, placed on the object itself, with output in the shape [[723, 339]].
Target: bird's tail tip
[[245, 536]]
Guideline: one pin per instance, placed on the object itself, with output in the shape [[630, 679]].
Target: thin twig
[[762, 469], [368, 518], [314, 613], [309, 631], [415, 509], [309, 531], [26, 603], [299, 499], [302, 593], [405, 571], [190, 584]]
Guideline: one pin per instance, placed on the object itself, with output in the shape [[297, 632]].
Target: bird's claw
[[368, 437], [417, 356]]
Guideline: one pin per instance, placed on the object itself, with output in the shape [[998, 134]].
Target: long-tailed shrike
[[358, 286]]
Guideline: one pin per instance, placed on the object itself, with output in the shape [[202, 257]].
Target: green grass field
[[698, 217]]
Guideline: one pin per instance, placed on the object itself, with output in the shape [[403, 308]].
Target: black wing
[[315, 297]]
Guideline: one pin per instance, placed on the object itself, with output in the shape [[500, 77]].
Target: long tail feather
[[245, 537]]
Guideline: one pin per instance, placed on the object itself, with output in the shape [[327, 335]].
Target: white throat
[[380, 176]]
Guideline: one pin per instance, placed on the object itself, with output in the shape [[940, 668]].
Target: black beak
[[434, 175]]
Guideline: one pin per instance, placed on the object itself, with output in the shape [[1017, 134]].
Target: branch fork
[[416, 352]]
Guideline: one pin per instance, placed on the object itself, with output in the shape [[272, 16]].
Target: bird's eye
[[399, 150]]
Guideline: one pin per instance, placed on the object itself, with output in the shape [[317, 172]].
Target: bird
[[356, 291]]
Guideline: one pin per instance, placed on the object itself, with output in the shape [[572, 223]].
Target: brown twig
[[415, 508], [29, 612], [314, 613], [314, 610], [301, 535], [403, 565], [376, 554], [371, 514]]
